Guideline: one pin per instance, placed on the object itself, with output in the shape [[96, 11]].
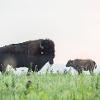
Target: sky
[[73, 25]]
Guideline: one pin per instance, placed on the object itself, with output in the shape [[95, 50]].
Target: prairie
[[49, 86]]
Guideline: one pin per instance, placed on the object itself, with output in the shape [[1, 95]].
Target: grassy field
[[49, 87]]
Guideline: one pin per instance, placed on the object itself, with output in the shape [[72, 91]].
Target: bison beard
[[30, 53], [82, 64]]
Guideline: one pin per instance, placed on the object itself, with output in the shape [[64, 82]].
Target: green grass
[[50, 87]]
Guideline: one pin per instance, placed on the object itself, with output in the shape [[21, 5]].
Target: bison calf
[[82, 64]]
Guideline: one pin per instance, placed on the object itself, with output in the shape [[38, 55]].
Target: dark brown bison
[[30, 53], [82, 64]]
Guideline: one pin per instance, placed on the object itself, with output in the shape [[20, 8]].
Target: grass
[[49, 87]]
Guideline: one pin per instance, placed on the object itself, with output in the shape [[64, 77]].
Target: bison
[[31, 54], [82, 64]]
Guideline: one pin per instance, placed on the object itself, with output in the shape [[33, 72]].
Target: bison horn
[[41, 46]]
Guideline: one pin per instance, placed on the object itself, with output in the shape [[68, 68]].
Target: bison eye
[[42, 52]]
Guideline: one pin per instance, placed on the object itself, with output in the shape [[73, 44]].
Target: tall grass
[[50, 87]]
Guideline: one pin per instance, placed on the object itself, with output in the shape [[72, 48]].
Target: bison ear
[[41, 46], [71, 61]]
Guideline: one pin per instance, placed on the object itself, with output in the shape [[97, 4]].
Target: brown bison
[[82, 64], [34, 53]]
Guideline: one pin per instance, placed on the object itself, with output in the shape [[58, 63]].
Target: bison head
[[69, 63], [46, 53], [48, 50]]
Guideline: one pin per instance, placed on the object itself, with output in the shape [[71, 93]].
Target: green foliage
[[49, 87]]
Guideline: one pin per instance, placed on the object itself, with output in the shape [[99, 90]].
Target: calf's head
[[69, 63]]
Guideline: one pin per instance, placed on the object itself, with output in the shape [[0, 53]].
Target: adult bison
[[82, 64], [34, 53]]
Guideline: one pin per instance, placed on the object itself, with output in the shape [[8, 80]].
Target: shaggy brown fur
[[82, 64], [30, 53]]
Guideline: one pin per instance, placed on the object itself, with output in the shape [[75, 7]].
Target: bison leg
[[79, 71], [35, 68], [32, 67], [91, 71], [1, 68]]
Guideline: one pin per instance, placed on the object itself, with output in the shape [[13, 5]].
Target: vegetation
[[49, 87]]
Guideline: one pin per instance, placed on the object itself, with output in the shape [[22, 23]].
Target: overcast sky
[[74, 25]]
